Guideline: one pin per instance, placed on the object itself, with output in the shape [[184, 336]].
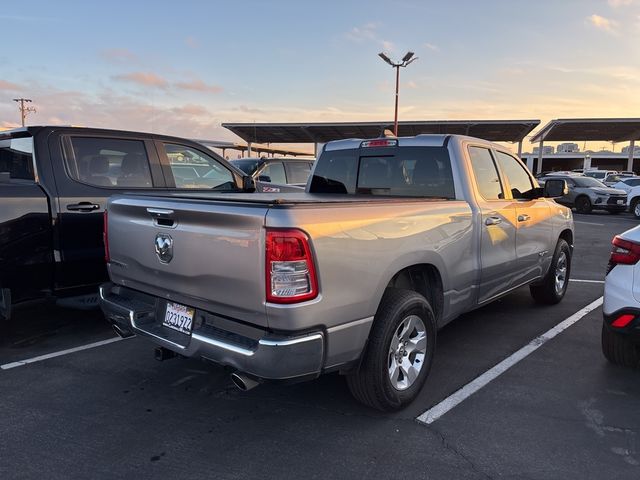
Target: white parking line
[[578, 280], [437, 411], [21, 363]]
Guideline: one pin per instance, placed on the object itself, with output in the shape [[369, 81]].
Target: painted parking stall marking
[[437, 411], [21, 363]]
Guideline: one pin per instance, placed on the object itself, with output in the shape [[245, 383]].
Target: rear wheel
[[399, 354], [635, 207], [583, 205], [619, 349], [554, 285]]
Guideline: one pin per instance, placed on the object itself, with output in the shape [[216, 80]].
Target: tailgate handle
[[162, 217], [83, 207]]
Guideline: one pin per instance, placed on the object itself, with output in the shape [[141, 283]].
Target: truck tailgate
[[211, 254]]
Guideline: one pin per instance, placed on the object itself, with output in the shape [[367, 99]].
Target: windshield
[[247, 166], [588, 182], [596, 174]]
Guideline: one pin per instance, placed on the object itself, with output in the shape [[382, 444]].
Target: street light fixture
[[406, 60]]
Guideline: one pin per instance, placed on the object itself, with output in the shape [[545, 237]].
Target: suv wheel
[[583, 204], [554, 285], [619, 349], [399, 354], [635, 207]]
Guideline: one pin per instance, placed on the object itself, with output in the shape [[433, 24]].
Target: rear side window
[[192, 168], [16, 158], [275, 172], [109, 162], [519, 181], [298, 172], [486, 173], [404, 172]]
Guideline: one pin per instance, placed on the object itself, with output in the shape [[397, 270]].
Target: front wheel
[[583, 205], [399, 354], [635, 207], [554, 285]]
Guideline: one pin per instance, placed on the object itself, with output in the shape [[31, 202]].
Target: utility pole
[[24, 110], [406, 60]]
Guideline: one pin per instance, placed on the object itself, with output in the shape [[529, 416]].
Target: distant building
[[636, 150], [567, 148], [547, 150], [574, 160]]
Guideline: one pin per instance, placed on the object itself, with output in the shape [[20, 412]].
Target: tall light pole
[[406, 60], [24, 110]]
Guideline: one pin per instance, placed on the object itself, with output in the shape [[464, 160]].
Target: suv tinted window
[[408, 171], [195, 169], [486, 173], [109, 162], [518, 177], [298, 172], [16, 158]]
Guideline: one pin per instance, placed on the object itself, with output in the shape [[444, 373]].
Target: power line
[[24, 109]]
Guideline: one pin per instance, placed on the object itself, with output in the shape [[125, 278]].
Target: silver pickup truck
[[392, 239]]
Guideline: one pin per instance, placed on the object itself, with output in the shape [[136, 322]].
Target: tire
[[373, 384], [619, 349], [554, 285], [635, 207], [583, 205]]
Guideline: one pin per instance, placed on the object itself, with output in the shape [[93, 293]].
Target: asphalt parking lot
[[112, 411]]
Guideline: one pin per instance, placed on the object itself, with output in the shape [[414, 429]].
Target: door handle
[[83, 207], [493, 221], [523, 218]]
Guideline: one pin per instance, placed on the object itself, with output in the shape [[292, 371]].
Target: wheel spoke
[[394, 371], [409, 371], [417, 343]]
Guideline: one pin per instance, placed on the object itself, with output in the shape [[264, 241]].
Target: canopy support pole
[[632, 145], [248, 149], [520, 149], [540, 150]]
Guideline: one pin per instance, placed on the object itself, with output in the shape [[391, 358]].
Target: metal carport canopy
[[585, 129], [493, 130]]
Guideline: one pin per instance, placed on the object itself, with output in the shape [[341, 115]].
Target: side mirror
[[248, 185], [555, 188], [264, 178]]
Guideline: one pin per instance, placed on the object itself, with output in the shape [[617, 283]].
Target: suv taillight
[[623, 252], [105, 236], [290, 270]]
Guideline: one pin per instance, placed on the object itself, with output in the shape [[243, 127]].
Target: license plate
[[620, 202], [178, 317]]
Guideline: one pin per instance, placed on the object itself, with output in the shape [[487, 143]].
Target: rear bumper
[[224, 341], [631, 329]]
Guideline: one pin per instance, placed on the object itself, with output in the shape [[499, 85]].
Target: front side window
[[486, 174], [275, 172], [519, 181], [16, 158], [194, 169], [109, 162], [298, 172]]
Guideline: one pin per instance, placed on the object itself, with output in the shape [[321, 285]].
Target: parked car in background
[[274, 175], [392, 239], [599, 174], [54, 186], [611, 180], [633, 201], [586, 194], [626, 183], [621, 308]]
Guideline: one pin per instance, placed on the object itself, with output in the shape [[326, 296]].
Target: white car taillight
[[623, 252], [290, 270]]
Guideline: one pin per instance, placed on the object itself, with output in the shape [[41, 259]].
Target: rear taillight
[[623, 252], [290, 270], [105, 236]]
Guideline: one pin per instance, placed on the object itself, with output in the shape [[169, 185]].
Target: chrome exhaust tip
[[243, 382]]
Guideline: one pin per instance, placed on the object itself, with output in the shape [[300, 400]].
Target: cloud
[[199, 86], [387, 46], [146, 79], [191, 42], [432, 47], [363, 33], [412, 84], [191, 110], [14, 87], [619, 3], [604, 24], [245, 109], [118, 55]]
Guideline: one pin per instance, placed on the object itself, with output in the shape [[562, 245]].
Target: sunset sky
[[184, 67]]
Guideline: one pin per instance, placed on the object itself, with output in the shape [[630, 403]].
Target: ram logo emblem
[[164, 247]]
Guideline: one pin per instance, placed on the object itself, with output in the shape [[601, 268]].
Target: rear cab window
[[298, 172], [519, 180], [108, 162], [386, 171], [16, 158]]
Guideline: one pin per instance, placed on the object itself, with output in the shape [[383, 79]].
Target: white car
[[627, 183], [633, 201], [621, 309]]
